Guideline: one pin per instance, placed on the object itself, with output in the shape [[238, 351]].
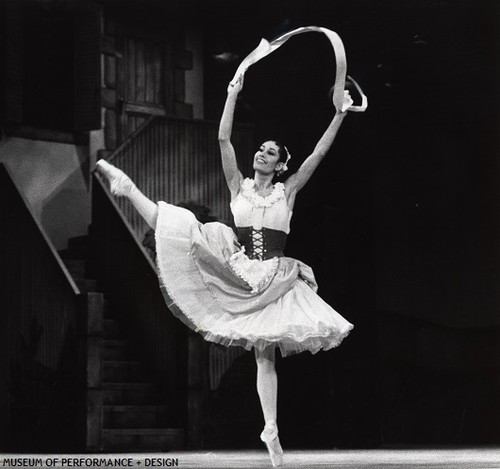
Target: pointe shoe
[[270, 437], [119, 183]]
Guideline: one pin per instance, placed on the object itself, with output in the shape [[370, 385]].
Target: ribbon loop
[[265, 48]]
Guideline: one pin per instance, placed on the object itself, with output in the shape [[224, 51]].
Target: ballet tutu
[[215, 289]]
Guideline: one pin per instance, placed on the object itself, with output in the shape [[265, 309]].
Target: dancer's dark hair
[[282, 152]]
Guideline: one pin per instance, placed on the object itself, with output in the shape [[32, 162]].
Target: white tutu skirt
[[202, 276]]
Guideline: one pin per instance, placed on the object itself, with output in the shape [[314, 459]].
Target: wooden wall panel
[[178, 161], [129, 278], [88, 67], [144, 59], [40, 368]]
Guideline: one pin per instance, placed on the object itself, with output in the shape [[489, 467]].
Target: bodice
[[262, 222]]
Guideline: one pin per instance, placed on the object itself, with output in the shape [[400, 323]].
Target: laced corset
[[262, 222]]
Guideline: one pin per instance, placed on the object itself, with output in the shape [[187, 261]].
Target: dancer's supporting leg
[[267, 388], [122, 185]]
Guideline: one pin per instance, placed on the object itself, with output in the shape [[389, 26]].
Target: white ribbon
[[265, 48]]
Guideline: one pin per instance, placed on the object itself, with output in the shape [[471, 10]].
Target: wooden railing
[[178, 160], [128, 276], [43, 387]]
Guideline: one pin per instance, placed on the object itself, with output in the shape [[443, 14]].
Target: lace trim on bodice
[[256, 273], [248, 192]]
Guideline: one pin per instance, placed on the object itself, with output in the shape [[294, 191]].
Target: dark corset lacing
[[262, 244]]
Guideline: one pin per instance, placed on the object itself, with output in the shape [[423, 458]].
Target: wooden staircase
[[130, 413], [134, 413], [75, 257]]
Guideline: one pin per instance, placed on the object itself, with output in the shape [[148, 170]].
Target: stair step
[[138, 416], [107, 309], [67, 254], [86, 285], [116, 350], [76, 267], [120, 371], [137, 439], [79, 247], [111, 329], [110, 311], [79, 241], [130, 393]]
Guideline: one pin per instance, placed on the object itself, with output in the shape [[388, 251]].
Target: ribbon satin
[[265, 48]]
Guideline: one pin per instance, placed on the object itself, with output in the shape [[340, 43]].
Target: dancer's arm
[[229, 163], [298, 180]]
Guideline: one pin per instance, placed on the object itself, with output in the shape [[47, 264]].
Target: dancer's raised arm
[[229, 164], [298, 180]]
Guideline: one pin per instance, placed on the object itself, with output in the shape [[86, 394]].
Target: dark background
[[400, 221], [422, 159]]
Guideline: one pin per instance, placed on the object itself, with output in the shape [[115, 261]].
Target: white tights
[[146, 207], [267, 387], [267, 383], [267, 378], [122, 185]]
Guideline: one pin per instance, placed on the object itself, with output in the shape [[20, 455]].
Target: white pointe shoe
[[270, 437], [119, 183]]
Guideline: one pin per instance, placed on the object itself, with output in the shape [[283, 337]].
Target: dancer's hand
[[346, 104], [236, 87]]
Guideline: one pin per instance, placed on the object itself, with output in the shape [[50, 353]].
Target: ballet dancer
[[240, 289]]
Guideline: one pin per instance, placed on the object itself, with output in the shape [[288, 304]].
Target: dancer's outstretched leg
[[267, 388], [121, 185]]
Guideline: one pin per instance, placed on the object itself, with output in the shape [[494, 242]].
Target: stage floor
[[363, 459]]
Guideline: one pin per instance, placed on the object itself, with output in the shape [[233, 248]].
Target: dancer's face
[[267, 158]]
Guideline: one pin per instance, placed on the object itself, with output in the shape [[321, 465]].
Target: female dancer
[[241, 290]]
